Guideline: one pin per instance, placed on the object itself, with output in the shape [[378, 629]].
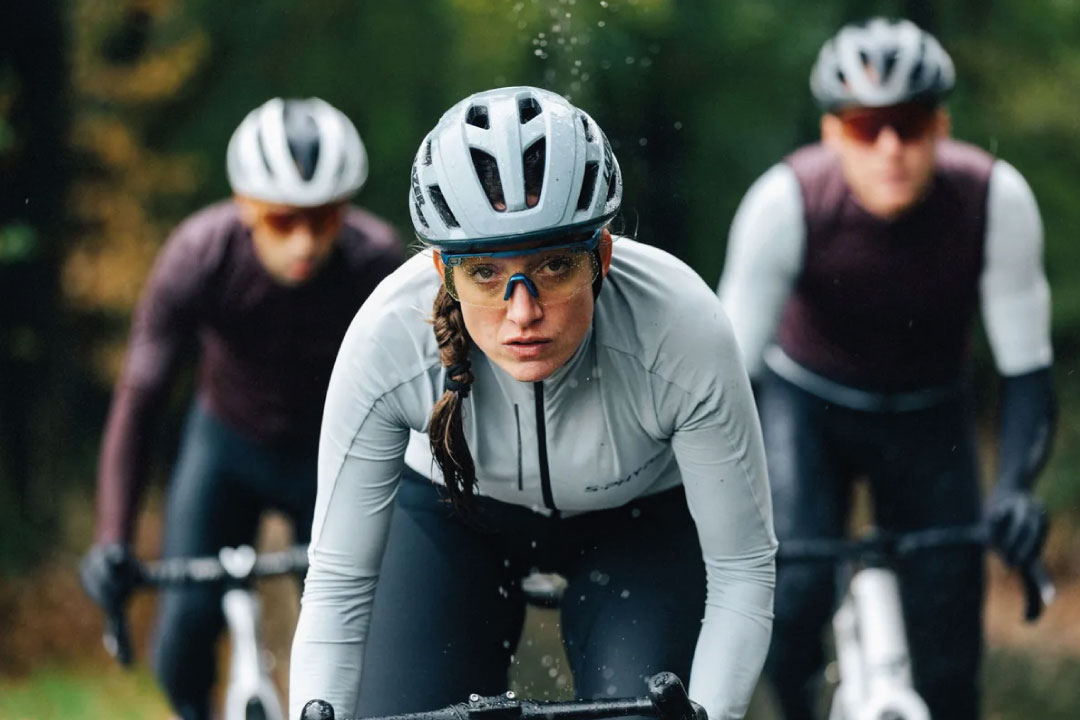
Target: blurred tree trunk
[[33, 182]]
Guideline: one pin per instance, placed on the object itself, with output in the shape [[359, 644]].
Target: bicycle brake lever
[[1039, 590], [116, 638]]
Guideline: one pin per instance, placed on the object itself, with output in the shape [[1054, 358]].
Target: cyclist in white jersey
[[856, 269], [563, 427]]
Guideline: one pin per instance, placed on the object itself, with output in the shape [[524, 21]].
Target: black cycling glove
[[317, 710], [1018, 525], [108, 573], [1018, 520]]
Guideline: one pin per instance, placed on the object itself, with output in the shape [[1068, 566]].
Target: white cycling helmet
[[508, 163], [880, 62], [296, 152]]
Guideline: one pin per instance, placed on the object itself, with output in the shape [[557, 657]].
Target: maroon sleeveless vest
[[888, 306]]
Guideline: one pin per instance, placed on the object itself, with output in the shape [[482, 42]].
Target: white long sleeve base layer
[[768, 239]]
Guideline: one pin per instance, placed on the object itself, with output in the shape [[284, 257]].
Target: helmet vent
[[302, 135], [442, 207], [427, 152], [534, 171], [477, 116], [528, 108], [588, 184], [487, 170], [612, 186], [585, 125], [888, 64], [418, 199], [916, 74]]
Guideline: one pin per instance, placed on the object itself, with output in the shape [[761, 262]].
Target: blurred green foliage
[[698, 98]]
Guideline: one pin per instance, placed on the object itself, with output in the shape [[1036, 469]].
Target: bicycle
[[250, 693], [666, 700], [868, 626]]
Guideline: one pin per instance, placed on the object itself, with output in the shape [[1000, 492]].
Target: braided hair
[[446, 432]]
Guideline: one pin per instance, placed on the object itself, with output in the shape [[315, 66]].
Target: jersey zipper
[[517, 421], [541, 444]]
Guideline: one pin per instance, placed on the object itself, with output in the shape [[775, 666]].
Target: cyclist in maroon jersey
[[855, 270], [267, 282]]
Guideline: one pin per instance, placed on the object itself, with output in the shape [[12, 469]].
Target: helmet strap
[[599, 281]]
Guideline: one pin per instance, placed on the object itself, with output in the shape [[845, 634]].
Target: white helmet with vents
[[880, 62], [296, 152], [512, 162]]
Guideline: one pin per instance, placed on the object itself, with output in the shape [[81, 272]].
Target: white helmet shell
[[296, 152], [494, 133], [880, 62]]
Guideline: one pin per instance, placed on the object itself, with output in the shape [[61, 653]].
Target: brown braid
[[445, 430]]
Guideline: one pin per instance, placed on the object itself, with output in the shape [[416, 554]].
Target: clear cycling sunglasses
[[552, 274]]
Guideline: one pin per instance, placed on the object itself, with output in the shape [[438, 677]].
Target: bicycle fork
[[872, 652], [251, 694]]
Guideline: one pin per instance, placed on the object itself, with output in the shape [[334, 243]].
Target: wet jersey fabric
[[888, 306], [655, 396], [266, 349]]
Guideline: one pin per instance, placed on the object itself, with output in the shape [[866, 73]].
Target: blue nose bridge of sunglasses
[[524, 280]]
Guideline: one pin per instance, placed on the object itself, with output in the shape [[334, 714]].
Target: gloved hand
[[317, 710], [1018, 525], [108, 573]]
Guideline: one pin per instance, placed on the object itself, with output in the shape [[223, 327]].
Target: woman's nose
[[522, 308]]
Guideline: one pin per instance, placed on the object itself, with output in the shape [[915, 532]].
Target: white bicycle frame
[[250, 693], [872, 653]]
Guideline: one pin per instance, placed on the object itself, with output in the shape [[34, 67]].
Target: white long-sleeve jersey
[[655, 396]]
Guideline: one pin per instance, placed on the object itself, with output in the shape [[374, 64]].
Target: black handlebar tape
[[317, 710], [669, 696]]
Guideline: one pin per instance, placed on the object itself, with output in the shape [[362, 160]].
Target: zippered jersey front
[[549, 463], [656, 395]]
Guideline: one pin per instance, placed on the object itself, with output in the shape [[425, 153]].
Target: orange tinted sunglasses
[[317, 219], [911, 121]]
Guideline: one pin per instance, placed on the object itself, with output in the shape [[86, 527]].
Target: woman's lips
[[525, 349]]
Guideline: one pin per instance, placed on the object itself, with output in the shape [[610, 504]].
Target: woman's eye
[[481, 273], [557, 265]]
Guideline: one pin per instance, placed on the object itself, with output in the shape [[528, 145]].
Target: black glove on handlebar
[[317, 710], [1018, 525], [109, 573]]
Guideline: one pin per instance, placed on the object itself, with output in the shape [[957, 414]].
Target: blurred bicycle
[[250, 693], [868, 627]]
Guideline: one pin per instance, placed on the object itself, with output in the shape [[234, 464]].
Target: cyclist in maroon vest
[[855, 270], [267, 283]]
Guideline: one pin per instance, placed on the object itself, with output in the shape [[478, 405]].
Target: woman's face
[[527, 339]]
